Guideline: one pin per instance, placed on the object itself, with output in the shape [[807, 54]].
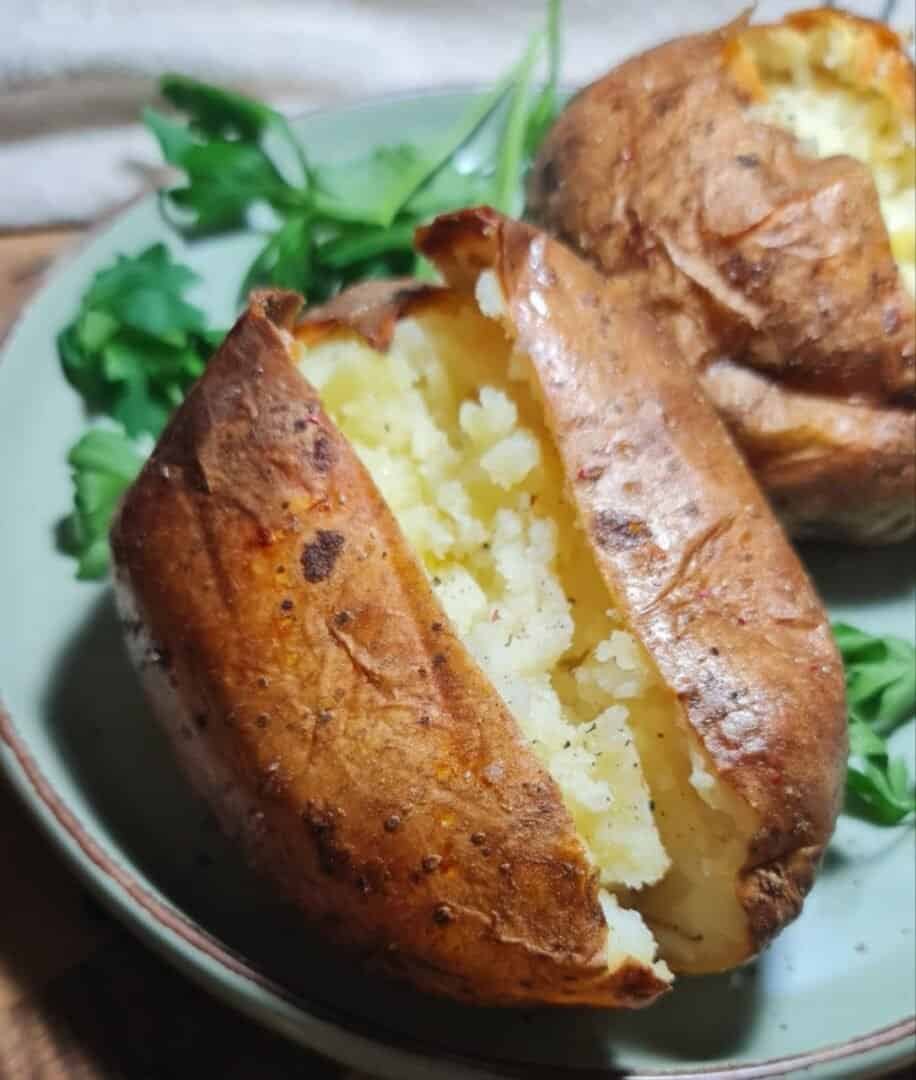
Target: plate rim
[[212, 964], [157, 922]]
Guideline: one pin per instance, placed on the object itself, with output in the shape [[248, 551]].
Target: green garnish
[[547, 107], [234, 151], [506, 194], [136, 343], [376, 189], [881, 696], [336, 224], [103, 464]]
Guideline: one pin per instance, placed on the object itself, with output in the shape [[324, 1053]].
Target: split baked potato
[[465, 614], [758, 185]]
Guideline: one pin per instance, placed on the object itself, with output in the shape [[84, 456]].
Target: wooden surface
[[23, 259], [80, 998]]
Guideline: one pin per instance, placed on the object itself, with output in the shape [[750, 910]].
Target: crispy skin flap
[[822, 460], [370, 309], [317, 696], [691, 553]]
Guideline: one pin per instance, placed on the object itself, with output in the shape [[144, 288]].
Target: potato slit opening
[[458, 449], [449, 426], [705, 828]]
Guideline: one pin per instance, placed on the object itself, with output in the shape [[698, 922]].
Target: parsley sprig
[[103, 464], [136, 343], [133, 349], [881, 696], [336, 224]]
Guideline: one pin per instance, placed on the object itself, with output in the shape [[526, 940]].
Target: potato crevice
[[460, 455], [449, 426], [705, 828]]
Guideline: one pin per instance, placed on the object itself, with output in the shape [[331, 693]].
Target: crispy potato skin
[[691, 553], [751, 250], [370, 310], [822, 461], [317, 696]]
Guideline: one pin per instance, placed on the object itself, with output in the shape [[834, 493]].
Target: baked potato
[[758, 184], [466, 616]]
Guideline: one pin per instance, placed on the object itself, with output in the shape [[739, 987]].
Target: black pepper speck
[[443, 915]]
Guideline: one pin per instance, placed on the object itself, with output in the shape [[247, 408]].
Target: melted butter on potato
[[448, 426], [816, 87]]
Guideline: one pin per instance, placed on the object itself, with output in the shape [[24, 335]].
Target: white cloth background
[[75, 73]]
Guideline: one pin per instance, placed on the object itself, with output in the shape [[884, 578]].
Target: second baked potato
[[758, 185]]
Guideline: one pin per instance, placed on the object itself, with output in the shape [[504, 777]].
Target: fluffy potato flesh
[[813, 86], [448, 424]]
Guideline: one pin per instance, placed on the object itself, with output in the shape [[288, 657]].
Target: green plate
[[834, 996]]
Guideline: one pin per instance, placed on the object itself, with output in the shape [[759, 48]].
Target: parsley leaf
[[146, 293], [217, 113], [881, 677], [375, 189], [103, 465], [340, 223], [364, 190], [286, 259], [547, 107], [136, 343], [449, 189], [225, 179], [881, 696], [235, 152]]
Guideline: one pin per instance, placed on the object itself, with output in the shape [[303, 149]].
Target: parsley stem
[[509, 166], [451, 142], [343, 251]]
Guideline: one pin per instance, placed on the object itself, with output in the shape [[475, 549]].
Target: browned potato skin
[[317, 696], [689, 548], [371, 310], [751, 250], [822, 460]]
